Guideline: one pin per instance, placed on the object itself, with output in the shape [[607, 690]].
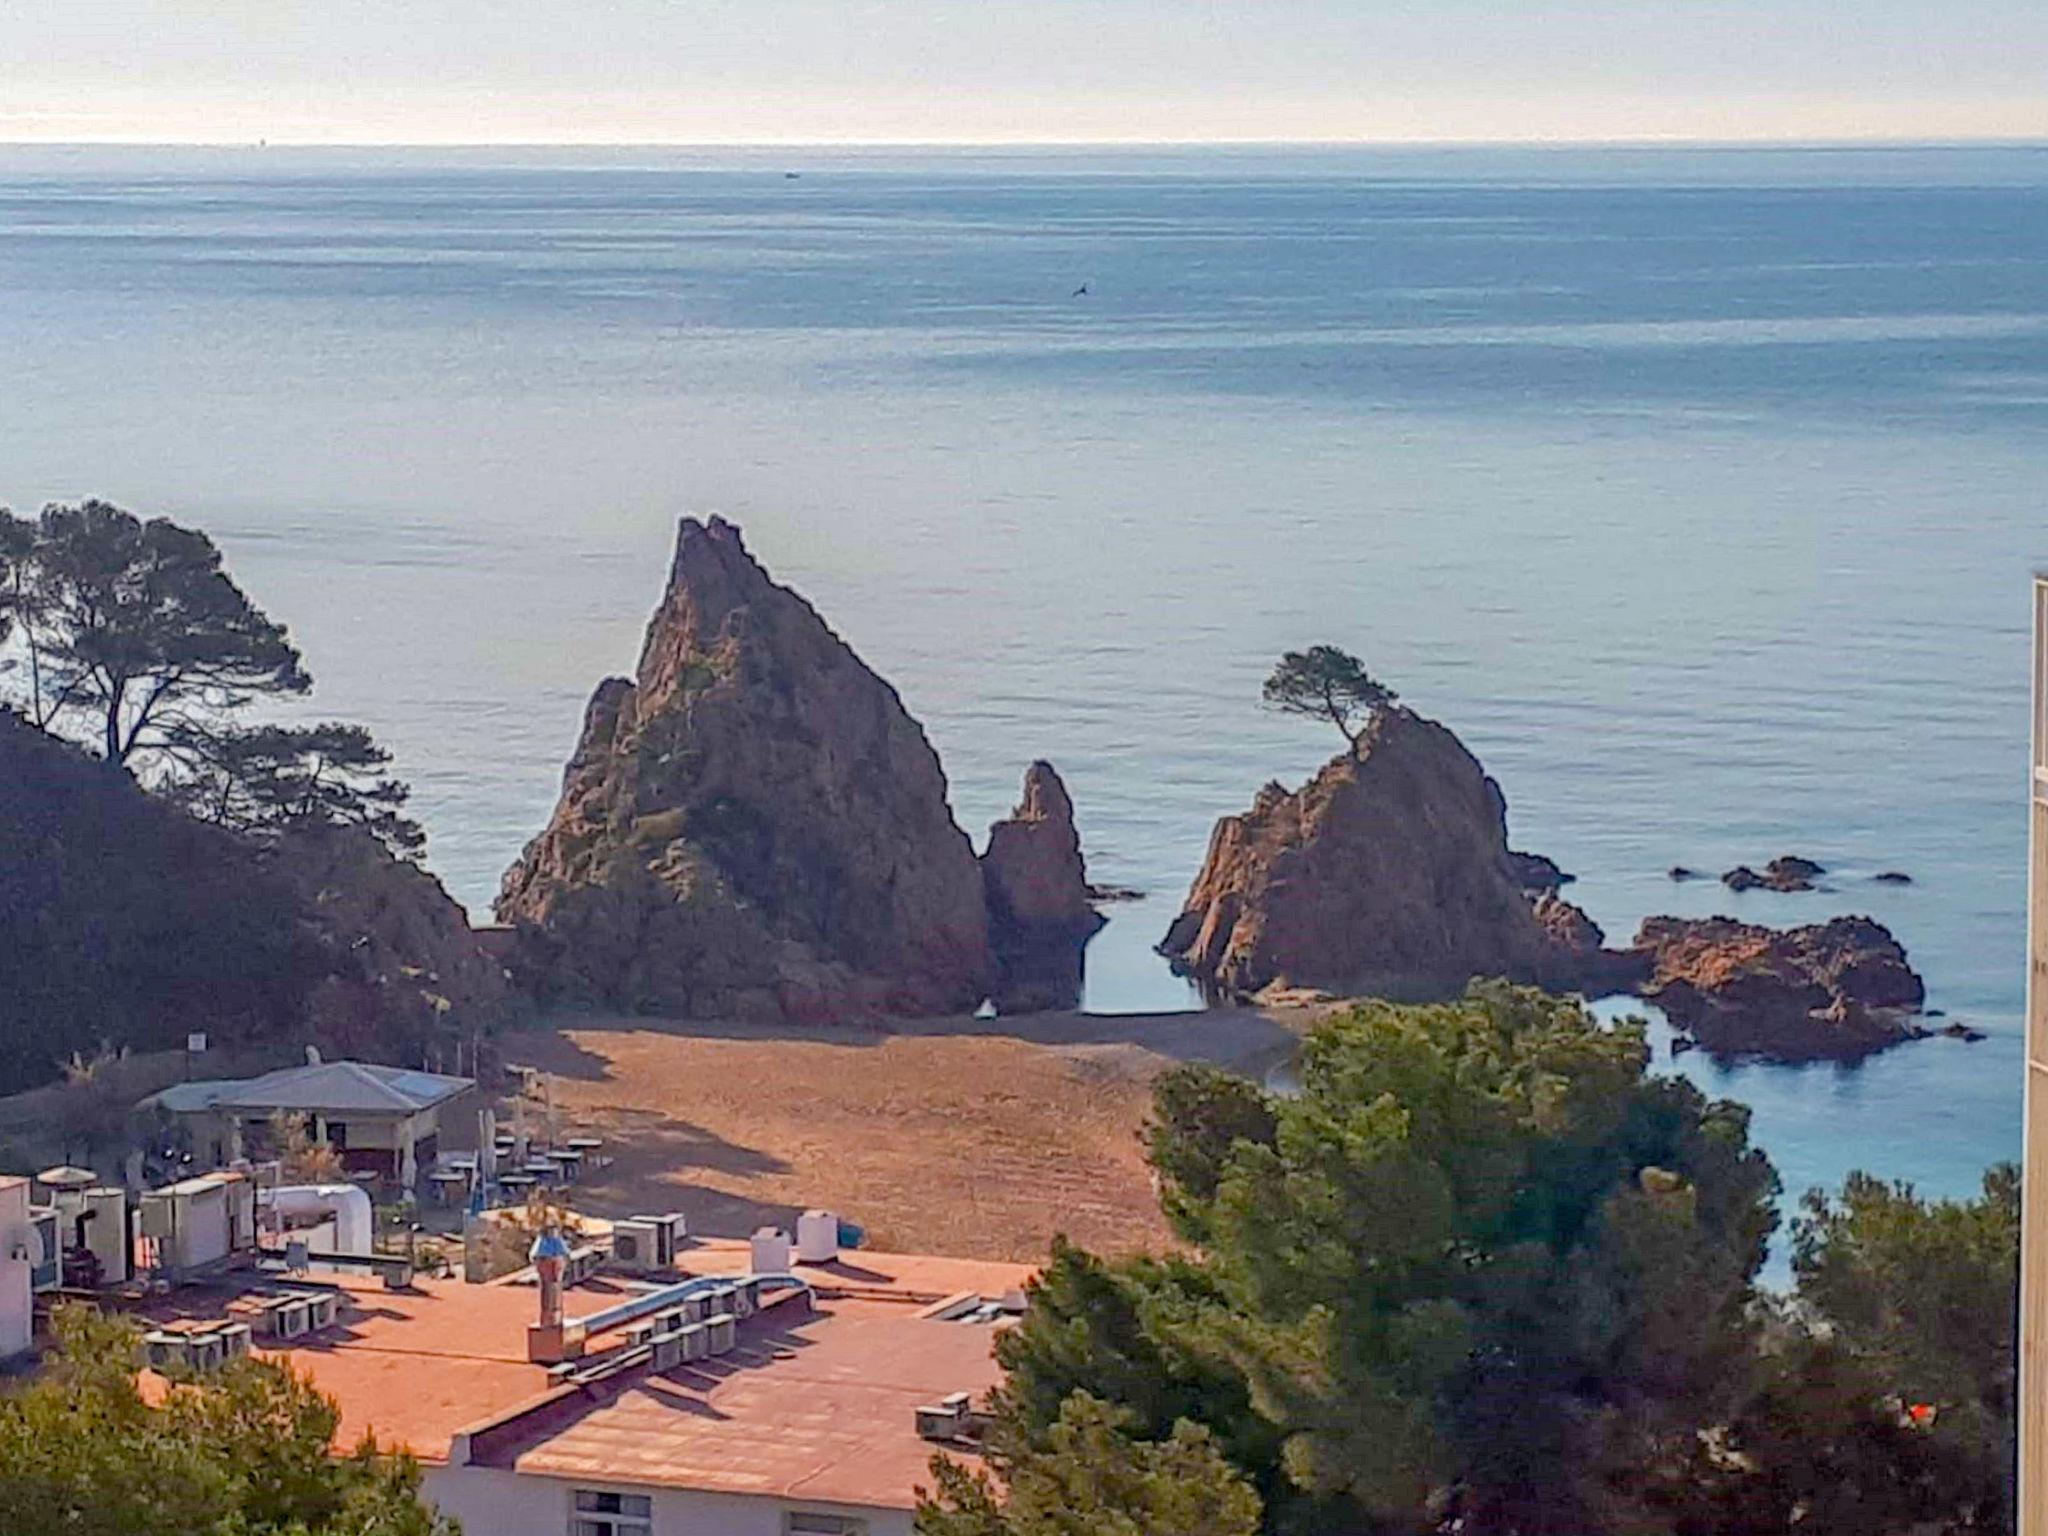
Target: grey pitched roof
[[327, 1087]]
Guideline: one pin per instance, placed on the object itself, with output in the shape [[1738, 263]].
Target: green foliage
[[272, 778], [136, 627], [1924, 1297], [246, 1453], [1093, 1478], [1325, 683], [1487, 1274]]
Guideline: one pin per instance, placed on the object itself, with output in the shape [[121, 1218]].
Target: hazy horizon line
[[1646, 141]]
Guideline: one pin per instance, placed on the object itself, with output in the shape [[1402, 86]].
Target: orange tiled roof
[[818, 1406]]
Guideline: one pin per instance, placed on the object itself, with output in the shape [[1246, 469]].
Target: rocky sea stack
[[753, 825], [1388, 873], [1041, 909]]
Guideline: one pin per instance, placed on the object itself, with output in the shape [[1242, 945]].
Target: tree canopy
[[269, 778], [130, 637], [137, 627], [245, 1453], [1325, 683], [1488, 1273]]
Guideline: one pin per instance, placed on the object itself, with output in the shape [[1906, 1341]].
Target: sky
[[784, 71]]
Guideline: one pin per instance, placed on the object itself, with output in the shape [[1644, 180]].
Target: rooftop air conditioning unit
[[205, 1351], [636, 1247], [322, 1309], [697, 1307], [718, 1299], [668, 1352], [166, 1351], [724, 1329], [234, 1341], [695, 1339], [639, 1334], [668, 1231], [287, 1317], [947, 1419], [666, 1323], [582, 1265]]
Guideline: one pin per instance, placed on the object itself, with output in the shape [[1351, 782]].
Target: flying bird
[[1081, 292]]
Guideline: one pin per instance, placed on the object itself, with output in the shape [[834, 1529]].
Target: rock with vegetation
[[1041, 908], [1388, 872], [130, 924], [753, 824], [1842, 988]]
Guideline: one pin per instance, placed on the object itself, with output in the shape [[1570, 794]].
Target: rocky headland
[[128, 923]]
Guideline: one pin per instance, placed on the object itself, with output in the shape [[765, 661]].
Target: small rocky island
[[754, 826], [1389, 873]]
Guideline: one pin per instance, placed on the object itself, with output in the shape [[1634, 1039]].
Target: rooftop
[[347, 1087], [812, 1402]]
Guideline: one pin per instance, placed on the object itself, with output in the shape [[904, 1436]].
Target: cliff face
[[1040, 913], [752, 825], [1388, 873], [126, 921]]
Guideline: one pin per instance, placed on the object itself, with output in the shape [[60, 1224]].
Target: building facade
[[2034, 1234]]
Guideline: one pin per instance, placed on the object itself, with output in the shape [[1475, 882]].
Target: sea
[[1697, 488]]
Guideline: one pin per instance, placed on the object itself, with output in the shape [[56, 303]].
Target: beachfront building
[[748, 1394], [385, 1123], [2034, 1238]]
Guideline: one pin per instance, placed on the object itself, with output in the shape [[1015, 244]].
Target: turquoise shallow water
[[1697, 489]]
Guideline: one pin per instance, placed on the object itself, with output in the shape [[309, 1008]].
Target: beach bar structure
[[2033, 1499]]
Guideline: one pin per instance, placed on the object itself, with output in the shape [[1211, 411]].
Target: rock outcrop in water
[[1387, 873], [124, 921], [1842, 988], [1041, 909], [752, 825]]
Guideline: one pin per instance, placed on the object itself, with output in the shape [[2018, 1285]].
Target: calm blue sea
[[1697, 489]]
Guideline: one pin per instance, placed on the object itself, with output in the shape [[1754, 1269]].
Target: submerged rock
[[1892, 877], [1787, 874], [1842, 988], [751, 825], [1388, 872], [1041, 911]]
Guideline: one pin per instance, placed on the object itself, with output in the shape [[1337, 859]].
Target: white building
[[797, 1415], [2034, 1238]]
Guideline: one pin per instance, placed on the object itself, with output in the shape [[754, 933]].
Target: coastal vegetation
[[1486, 1273], [168, 866], [130, 637], [1326, 683], [84, 1451]]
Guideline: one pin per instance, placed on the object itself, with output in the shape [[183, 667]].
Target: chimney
[[550, 1340]]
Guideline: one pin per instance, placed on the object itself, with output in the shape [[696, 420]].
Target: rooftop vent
[[817, 1237], [724, 1329], [951, 1418]]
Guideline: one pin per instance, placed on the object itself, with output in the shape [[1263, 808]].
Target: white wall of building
[[492, 1502], [17, 1295]]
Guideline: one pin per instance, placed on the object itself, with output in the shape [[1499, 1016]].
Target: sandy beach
[[975, 1137]]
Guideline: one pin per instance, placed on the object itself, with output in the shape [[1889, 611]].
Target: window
[[611, 1514], [337, 1134], [805, 1522]]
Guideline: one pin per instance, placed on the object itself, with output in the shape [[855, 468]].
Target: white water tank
[[771, 1251], [817, 1237]]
